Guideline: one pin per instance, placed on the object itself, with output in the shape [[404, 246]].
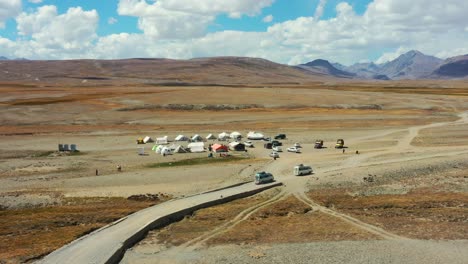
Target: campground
[[413, 146]]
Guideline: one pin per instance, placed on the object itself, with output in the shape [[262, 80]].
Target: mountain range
[[227, 70], [409, 66]]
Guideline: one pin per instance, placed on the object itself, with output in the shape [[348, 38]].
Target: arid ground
[[403, 198]]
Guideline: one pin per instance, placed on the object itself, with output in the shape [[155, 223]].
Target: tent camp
[[196, 147], [235, 135], [210, 136], [162, 140], [181, 138], [223, 136], [255, 135], [181, 149], [147, 140], [197, 138], [219, 148], [237, 146]]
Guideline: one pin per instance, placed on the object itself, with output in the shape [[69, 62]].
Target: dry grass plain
[[418, 194]]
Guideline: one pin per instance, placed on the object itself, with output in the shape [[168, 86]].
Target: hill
[[456, 67], [323, 67], [201, 71]]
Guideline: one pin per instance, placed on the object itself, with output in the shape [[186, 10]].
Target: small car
[[294, 149], [248, 144], [277, 149], [302, 169], [280, 136], [297, 145], [274, 154], [276, 143], [263, 177]]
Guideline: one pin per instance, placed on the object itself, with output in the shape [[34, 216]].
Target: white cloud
[[319, 10], [8, 9], [35, 1], [177, 29], [388, 56], [268, 19], [181, 19], [48, 34], [112, 20]]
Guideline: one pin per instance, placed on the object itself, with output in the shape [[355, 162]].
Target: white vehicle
[[277, 149], [297, 145], [263, 177], [274, 154], [255, 135], [248, 144], [294, 149], [302, 170]]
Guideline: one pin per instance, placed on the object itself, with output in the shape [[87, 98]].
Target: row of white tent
[[197, 138], [167, 150], [194, 147]]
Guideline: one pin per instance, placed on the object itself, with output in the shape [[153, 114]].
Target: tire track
[[242, 216], [351, 220]]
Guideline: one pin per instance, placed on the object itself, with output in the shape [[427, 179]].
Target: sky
[[283, 31]]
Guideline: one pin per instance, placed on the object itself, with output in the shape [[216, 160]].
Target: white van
[[302, 170]]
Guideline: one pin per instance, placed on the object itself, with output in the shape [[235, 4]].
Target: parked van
[[263, 177], [302, 170]]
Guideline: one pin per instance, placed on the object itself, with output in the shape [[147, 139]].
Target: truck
[[339, 144], [318, 144], [302, 169]]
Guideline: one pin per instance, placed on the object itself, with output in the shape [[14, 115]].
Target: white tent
[[235, 135], [173, 147], [255, 135], [223, 136], [166, 151], [158, 149], [162, 140], [181, 138], [196, 147], [210, 136], [147, 139], [237, 146], [181, 149], [197, 138]]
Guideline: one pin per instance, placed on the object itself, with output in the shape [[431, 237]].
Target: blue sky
[[345, 31]]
